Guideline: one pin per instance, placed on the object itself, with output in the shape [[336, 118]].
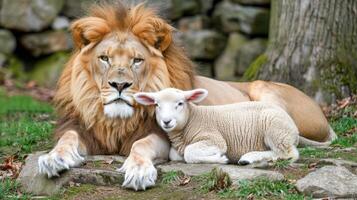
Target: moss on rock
[[47, 71], [253, 70]]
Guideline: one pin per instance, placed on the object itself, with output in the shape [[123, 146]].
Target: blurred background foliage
[[222, 37], [227, 39]]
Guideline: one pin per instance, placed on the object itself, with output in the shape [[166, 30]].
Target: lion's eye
[[104, 58], [138, 60]]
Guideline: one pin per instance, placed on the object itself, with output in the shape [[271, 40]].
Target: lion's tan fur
[[77, 98]]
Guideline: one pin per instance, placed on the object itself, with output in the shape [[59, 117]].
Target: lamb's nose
[[167, 122]]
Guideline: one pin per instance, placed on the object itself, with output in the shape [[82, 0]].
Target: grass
[[346, 129], [9, 190], [215, 180], [281, 164], [262, 189], [170, 177], [25, 125]]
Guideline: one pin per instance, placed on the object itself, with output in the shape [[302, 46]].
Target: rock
[[194, 23], [14, 67], [226, 64], [76, 9], [235, 172], [36, 184], [206, 6], [47, 42], [329, 181], [252, 2], [248, 53], [2, 62], [7, 41], [230, 17], [185, 7], [96, 158], [337, 162], [47, 71], [204, 68], [29, 15], [60, 23], [204, 44]]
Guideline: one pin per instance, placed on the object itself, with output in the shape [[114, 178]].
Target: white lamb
[[248, 132]]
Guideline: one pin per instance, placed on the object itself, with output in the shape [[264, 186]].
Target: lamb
[[247, 132]]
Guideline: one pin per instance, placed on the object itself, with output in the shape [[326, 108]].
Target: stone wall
[[222, 36]]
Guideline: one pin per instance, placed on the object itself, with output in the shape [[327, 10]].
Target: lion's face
[[119, 63]]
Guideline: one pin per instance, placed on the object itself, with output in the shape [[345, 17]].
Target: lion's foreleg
[[68, 152], [139, 169]]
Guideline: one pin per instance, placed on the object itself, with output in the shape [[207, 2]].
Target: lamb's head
[[172, 106]]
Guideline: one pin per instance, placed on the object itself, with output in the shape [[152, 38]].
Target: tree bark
[[313, 46]]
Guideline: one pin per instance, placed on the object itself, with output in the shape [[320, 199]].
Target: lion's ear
[[88, 30], [150, 28]]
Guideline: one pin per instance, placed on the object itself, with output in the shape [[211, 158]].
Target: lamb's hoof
[[243, 162]]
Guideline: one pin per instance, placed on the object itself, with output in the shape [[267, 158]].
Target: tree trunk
[[313, 46]]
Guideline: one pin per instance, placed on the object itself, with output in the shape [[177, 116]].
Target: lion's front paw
[[139, 173], [57, 161]]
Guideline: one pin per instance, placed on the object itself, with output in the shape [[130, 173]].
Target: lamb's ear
[[145, 98], [196, 95], [89, 29]]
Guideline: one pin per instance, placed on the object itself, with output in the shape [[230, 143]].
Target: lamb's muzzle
[[249, 132]]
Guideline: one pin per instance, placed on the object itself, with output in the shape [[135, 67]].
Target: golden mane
[[77, 99]]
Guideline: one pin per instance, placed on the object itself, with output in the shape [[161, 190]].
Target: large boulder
[[75, 9], [204, 44], [37, 184], [29, 15], [7, 41], [47, 42], [235, 172], [100, 170], [194, 23], [185, 7], [329, 181], [248, 53], [231, 17], [226, 64]]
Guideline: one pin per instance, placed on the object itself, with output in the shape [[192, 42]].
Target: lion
[[122, 50]]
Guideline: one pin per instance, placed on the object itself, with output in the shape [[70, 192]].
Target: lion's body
[[124, 51]]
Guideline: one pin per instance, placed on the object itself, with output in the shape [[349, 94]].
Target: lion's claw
[[138, 177]]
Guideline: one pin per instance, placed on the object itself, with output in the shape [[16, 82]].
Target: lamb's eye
[[138, 60], [104, 58], [180, 103], [157, 105]]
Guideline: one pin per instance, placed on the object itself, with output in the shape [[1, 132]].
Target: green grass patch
[[170, 177], [215, 180], [346, 129], [9, 190], [316, 153], [73, 192], [281, 164], [25, 125], [262, 189]]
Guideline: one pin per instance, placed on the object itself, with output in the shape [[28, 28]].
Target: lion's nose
[[120, 86]]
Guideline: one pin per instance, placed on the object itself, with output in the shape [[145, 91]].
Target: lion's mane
[[77, 98]]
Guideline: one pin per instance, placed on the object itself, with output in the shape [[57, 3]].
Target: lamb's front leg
[[69, 152], [139, 169], [203, 152]]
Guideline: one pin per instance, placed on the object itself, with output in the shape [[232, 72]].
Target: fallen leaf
[[109, 162], [185, 180]]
